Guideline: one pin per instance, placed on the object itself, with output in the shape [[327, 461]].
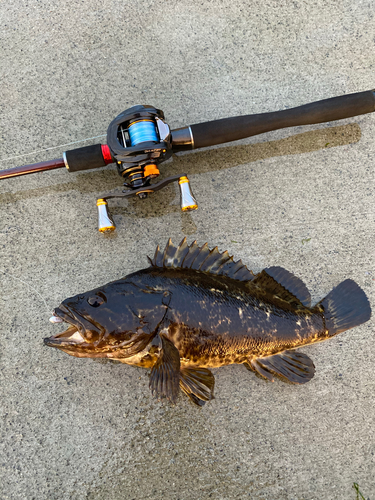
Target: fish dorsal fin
[[284, 285], [201, 259], [291, 283]]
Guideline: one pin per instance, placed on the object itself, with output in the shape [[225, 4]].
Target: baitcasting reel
[[139, 139]]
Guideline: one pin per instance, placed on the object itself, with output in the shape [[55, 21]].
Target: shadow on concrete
[[209, 160]]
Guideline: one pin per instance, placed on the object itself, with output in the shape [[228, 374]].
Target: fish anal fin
[[194, 399], [201, 259], [198, 384], [284, 285], [289, 366], [165, 374], [260, 371]]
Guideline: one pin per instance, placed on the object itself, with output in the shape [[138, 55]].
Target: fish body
[[215, 320], [194, 309]]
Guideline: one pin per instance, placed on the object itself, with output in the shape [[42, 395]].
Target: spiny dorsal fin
[[284, 285], [201, 259]]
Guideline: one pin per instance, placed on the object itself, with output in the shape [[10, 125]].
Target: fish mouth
[[85, 339], [80, 331], [70, 336]]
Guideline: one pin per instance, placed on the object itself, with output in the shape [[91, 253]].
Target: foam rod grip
[[84, 158], [233, 129]]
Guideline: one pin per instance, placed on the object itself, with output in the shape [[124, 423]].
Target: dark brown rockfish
[[195, 309]]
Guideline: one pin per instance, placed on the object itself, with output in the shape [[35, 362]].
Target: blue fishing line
[[142, 132]]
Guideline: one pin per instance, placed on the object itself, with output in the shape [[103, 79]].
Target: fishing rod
[[139, 139]]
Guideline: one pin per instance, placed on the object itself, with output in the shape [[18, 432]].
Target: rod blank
[[31, 169]]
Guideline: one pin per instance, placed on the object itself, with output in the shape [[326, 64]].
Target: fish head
[[115, 321]]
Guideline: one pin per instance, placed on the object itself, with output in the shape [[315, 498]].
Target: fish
[[194, 309]]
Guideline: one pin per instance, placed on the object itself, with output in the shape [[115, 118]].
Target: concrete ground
[[301, 198]]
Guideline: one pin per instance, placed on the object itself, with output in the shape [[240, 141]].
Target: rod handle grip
[[88, 157], [232, 129]]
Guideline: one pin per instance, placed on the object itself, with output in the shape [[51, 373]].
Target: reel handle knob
[[188, 202], [105, 222]]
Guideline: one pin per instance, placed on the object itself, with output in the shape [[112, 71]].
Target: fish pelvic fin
[[345, 307], [202, 259], [198, 384], [289, 366], [284, 285], [165, 374]]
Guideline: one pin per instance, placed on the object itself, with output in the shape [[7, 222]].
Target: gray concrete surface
[[301, 198]]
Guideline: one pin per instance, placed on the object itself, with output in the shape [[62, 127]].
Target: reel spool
[[138, 140]]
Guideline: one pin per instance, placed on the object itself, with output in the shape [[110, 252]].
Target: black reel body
[[139, 139]]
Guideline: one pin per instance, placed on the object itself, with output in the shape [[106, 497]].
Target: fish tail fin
[[345, 307]]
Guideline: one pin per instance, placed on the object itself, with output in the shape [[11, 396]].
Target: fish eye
[[95, 300]]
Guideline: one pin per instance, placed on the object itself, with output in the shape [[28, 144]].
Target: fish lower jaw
[[70, 336]]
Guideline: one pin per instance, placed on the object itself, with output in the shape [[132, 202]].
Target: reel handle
[[239, 127], [187, 199]]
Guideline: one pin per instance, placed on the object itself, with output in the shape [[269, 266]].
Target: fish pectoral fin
[[165, 374], [198, 384], [289, 366]]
